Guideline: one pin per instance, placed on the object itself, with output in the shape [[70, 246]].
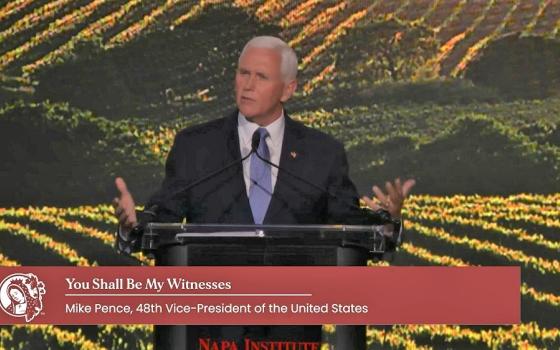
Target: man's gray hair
[[288, 57]]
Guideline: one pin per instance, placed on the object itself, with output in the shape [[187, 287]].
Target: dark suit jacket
[[315, 156], [310, 154]]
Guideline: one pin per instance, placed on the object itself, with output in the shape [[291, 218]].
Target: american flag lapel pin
[[293, 155]]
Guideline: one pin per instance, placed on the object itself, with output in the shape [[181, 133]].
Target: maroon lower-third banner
[[260, 295]]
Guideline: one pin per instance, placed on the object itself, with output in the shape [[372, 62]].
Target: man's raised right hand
[[125, 210]]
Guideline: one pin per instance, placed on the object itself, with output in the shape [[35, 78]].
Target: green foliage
[[519, 67], [476, 148], [426, 121], [451, 135], [378, 50], [442, 92], [57, 154], [47, 338], [476, 155], [63, 155], [117, 338], [160, 75]]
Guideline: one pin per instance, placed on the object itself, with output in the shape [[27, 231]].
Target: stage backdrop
[[464, 96]]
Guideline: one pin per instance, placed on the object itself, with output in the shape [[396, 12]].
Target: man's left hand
[[393, 200]]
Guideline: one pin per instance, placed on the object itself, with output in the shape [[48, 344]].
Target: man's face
[[259, 87]]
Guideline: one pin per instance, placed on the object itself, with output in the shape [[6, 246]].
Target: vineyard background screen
[[464, 96]]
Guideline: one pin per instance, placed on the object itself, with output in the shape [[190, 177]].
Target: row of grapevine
[[59, 26], [13, 7], [547, 20], [353, 126], [544, 266], [108, 337], [456, 31], [132, 31], [417, 11], [418, 208], [464, 28], [58, 218], [97, 28], [39, 15], [485, 32], [60, 248], [520, 207]]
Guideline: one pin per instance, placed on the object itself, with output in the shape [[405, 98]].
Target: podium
[[261, 245]]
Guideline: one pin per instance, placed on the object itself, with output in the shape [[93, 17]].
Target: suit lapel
[[290, 160], [242, 212]]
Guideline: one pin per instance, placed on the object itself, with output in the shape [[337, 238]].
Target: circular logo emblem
[[21, 295]]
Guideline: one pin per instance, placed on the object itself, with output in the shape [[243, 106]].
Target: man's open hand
[[124, 206], [393, 200]]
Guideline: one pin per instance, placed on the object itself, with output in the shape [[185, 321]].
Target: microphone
[[144, 217], [209, 176], [255, 142], [154, 208], [150, 214]]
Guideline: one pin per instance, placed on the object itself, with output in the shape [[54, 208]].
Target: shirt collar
[[247, 128]]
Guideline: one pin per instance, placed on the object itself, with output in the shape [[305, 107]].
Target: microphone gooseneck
[[255, 141], [150, 214], [382, 215]]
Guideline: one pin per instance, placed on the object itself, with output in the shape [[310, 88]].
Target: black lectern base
[[238, 337], [283, 251]]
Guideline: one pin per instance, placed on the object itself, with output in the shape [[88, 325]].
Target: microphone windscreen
[[255, 141], [148, 215]]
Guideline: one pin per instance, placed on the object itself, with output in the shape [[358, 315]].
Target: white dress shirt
[[274, 140], [245, 130]]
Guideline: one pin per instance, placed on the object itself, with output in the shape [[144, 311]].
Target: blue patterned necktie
[[260, 190]]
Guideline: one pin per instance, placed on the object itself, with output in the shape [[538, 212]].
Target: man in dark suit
[[254, 191], [265, 80]]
